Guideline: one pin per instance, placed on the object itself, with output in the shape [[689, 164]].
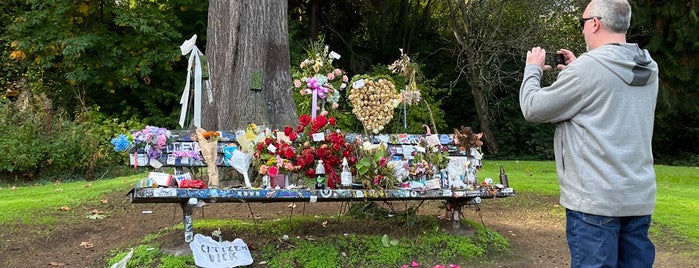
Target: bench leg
[[187, 208]]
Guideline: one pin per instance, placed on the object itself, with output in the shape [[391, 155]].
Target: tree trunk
[[247, 40], [484, 117]]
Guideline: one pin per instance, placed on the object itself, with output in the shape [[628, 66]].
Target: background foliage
[[85, 70]]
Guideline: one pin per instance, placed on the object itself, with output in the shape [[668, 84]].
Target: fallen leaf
[[325, 223], [86, 244], [292, 205], [58, 190], [87, 185], [55, 263], [14, 188], [96, 216], [64, 208], [104, 201], [95, 211], [57, 182]]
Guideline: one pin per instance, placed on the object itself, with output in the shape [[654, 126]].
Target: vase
[[281, 181]]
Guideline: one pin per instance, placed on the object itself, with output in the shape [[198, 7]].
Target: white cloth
[[210, 253]]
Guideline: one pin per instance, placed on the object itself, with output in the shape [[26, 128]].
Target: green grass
[[39, 203], [677, 198]]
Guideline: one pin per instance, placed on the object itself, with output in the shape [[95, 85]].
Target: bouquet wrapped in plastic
[[208, 142]]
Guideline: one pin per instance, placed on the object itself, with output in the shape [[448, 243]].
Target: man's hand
[[537, 56], [568, 56]]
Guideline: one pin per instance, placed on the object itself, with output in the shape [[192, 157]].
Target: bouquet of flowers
[[373, 169], [320, 79], [208, 142], [151, 139], [319, 140], [274, 154], [427, 160], [407, 69], [373, 101]]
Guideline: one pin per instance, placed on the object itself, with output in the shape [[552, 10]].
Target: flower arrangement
[[151, 139], [466, 138], [373, 101], [320, 140], [407, 69], [208, 143], [427, 160], [274, 154], [193, 155], [373, 168], [211, 135], [320, 79]]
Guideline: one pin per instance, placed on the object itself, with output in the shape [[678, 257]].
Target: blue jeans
[[616, 242]]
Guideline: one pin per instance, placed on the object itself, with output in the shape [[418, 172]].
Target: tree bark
[[248, 39]]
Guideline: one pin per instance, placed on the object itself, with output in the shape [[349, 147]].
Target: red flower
[[260, 146], [310, 173], [333, 121], [289, 153], [288, 130], [268, 141], [304, 120], [322, 153], [318, 123], [293, 136], [336, 147], [300, 128]]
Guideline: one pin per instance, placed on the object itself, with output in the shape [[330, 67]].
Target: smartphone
[[554, 59]]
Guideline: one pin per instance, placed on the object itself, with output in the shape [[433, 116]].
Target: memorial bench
[[188, 198]]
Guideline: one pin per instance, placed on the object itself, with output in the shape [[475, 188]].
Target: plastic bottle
[[320, 175], [345, 175], [503, 177]]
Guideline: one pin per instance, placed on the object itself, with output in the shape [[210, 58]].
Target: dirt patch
[[534, 226]]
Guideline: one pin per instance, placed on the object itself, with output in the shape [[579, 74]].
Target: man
[[603, 106]]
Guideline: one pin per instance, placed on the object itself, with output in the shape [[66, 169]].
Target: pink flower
[[297, 83], [331, 76], [414, 264], [454, 266], [439, 266], [273, 171], [263, 169], [337, 71], [345, 79]]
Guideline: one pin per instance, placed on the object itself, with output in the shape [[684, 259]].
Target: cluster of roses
[[298, 150]]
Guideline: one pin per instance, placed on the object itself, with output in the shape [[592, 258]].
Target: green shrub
[[39, 143]]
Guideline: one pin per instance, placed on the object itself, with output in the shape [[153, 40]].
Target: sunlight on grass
[[37, 204]]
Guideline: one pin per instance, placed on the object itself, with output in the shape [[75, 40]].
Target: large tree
[[248, 53]]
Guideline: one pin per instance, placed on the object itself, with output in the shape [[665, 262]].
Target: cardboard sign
[[210, 253]]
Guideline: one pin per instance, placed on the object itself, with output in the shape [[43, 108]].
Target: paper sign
[[334, 55], [271, 148], [210, 253], [320, 136], [358, 84]]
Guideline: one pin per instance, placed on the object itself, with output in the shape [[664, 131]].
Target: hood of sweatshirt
[[630, 63]]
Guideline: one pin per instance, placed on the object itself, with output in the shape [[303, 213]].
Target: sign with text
[[211, 253]]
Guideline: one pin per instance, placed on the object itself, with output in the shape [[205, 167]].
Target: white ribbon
[[194, 62]]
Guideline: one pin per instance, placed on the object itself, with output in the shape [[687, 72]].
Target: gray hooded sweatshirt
[[603, 105]]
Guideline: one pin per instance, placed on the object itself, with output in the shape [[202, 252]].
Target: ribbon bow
[[194, 63]]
